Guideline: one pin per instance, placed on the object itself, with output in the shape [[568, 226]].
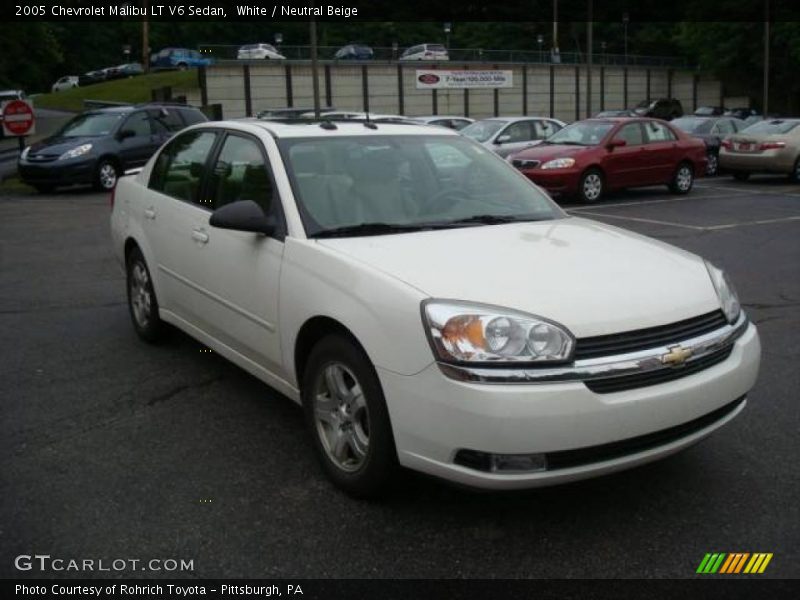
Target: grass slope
[[133, 90]]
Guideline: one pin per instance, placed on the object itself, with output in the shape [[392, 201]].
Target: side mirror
[[616, 143], [243, 215], [503, 139], [125, 134]]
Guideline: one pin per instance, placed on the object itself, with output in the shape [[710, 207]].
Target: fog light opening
[[501, 463]]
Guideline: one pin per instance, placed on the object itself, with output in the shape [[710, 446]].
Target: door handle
[[198, 235], [150, 213]]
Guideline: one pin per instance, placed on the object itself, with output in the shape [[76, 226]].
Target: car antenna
[[369, 124]]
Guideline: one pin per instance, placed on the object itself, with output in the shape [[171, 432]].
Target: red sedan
[[588, 158]]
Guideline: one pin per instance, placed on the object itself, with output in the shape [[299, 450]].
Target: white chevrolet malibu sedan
[[427, 305]]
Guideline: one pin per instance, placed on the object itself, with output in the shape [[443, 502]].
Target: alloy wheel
[[713, 164], [107, 175], [141, 300], [683, 179], [341, 416], [592, 186]]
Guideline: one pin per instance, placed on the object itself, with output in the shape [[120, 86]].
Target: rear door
[[625, 165]]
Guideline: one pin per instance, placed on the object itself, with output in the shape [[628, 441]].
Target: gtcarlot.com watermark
[[45, 562]]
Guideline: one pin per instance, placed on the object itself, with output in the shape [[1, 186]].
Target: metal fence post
[[248, 99]]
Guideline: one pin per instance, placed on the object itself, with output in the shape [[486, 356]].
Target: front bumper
[[434, 416], [562, 182], [57, 172]]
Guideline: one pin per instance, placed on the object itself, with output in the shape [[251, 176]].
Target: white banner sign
[[439, 78]]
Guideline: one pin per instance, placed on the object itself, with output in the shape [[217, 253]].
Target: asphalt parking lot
[[115, 449]]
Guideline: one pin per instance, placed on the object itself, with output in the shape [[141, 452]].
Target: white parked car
[[425, 52], [427, 305], [457, 123], [259, 51], [508, 135], [65, 83]]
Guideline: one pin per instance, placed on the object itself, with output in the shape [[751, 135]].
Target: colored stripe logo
[[734, 563]]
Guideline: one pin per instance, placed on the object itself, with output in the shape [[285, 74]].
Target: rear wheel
[[741, 175], [713, 164], [682, 180], [182, 66], [590, 188], [347, 416], [44, 189], [142, 302], [795, 174]]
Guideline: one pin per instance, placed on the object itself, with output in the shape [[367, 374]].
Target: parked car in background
[[354, 52], [259, 51], [712, 130], [506, 135], [663, 108], [65, 83], [179, 58], [124, 70], [604, 114], [92, 77], [344, 115], [457, 123], [588, 158], [290, 112], [769, 146], [427, 307], [425, 52], [742, 113], [709, 111], [97, 146]]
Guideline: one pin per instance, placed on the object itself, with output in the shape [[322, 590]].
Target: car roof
[[303, 128], [436, 117]]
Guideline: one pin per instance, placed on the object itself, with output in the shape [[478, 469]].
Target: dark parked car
[[663, 108], [742, 113], [92, 77], [97, 146], [709, 111], [587, 158], [354, 52], [122, 71], [178, 58], [712, 130]]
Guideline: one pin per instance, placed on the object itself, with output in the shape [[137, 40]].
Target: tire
[[682, 180], [182, 66], [350, 427], [794, 176], [741, 175], [142, 301], [43, 188], [712, 167], [591, 186], [106, 174]]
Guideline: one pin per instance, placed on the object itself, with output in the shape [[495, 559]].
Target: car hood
[[593, 278], [548, 151], [59, 145]]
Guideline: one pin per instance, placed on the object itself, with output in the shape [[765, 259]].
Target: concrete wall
[[282, 84]]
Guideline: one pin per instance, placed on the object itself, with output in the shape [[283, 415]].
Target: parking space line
[[645, 202], [761, 222], [695, 227], [641, 220], [752, 191]]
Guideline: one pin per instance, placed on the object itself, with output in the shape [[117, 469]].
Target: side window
[[166, 121], [519, 132], [178, 170], [138, 123], [631, 133], [656, 132], [724, 127], [240, 173], [191, 116], [544, 129]]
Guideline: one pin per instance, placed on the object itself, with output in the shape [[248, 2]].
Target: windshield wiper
[[489, 220], [368, 229]]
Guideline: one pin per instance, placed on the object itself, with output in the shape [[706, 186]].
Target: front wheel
[[682, 180], [590, 188], [347, 416], [44, 188], [741, 175], [712, 166], [105, 177]]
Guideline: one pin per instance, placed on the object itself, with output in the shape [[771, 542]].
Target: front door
[[663, 153]]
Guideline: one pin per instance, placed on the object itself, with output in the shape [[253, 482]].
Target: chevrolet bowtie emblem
[[676, 356]]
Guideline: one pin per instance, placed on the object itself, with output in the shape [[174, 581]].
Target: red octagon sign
[[17, 118]]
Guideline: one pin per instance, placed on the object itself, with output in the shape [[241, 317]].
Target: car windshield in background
[[483, 130], [583, 133], [369, 185], [692, 125], [91, 124], [772, 127]]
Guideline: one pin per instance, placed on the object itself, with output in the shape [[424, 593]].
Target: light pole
[[395, 49], [765, 108], [540, 41], [589, 58], [448, 27], [625, 19], [603, 51], [555, 55], [278, 40]]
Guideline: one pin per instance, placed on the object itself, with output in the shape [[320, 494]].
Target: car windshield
[[369, 185], [775, 126], [583, 133], [483, 130], [91, 124], [693, 125]]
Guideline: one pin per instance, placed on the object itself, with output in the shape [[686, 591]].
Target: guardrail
[[391, 54]]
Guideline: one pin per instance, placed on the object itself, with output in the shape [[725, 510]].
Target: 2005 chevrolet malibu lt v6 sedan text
[[429, 306]]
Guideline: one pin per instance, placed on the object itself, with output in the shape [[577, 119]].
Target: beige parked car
[[769, 146]]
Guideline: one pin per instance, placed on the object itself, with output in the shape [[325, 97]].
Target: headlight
[[728, 299], [474, 333], [559, 163], [76, 152], [24, 154]]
